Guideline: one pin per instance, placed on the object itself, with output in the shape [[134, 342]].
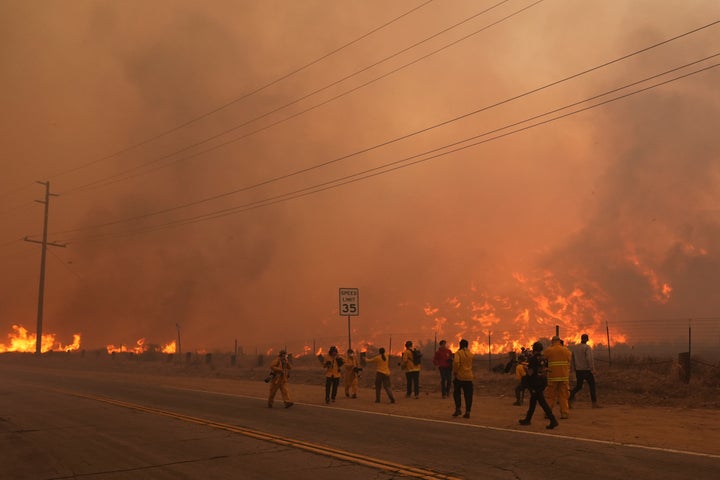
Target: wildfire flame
[[169, 347], [22, 341], [533, 310], [141, 347]]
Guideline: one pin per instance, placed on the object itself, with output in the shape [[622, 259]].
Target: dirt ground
[[625, 417]]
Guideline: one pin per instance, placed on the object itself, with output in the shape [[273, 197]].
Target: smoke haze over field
[[192, 155]]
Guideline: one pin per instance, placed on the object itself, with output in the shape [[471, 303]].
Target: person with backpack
[[410, 363], [536, 381], [278, 379], [382, 376], [463, 378]]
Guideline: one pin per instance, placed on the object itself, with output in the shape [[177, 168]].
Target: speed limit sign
[[349, 302]]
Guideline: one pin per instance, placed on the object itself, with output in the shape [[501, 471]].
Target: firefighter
[[463, 378], [520, 372], [280, 372], [382, 377], [332, 364], [351, 374], [412, 371], [559, 358]]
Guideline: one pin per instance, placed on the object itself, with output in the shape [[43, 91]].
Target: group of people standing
[[545, 373], [547, 377]]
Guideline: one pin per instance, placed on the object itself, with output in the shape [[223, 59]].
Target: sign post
[[350, 306]]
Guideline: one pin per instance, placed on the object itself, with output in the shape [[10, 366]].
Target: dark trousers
[[413, 382], [582, 376], [537, 395], [382, 381], [519, 393], [331, 386], [445, 380], [464, 387]]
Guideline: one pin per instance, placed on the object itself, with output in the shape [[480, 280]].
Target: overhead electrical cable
[[242, 97], [397, 139], [416, 159], [127, 174]]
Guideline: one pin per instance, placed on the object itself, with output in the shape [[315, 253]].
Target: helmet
[[537, 347]]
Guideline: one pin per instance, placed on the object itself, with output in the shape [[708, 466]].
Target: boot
[[595, 405], [289, 404], [524, 421], [553, 423], [457, 413]]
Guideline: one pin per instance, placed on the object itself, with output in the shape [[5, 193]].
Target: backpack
[[416, 356]]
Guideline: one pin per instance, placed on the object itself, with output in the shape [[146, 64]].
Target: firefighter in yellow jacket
[[559, 358], [351, 374], [412, 371], [279, 374], [520, 372], [463, 378], [332, 363], [382, 377]]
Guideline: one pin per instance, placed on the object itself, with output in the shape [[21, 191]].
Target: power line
[[243, 96], [412, 134], [416, 159], [114, 178], [121, 176]]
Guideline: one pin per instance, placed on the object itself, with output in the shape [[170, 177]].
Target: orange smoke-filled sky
[[228, 166]]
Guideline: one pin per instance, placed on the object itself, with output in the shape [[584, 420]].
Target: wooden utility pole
[[43, 255], [607, 329]]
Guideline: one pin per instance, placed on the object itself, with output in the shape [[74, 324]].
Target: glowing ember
[[22, 341]]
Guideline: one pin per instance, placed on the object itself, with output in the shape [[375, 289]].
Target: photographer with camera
[[278, 378], [332, 363], [351, 374], [536, 381]]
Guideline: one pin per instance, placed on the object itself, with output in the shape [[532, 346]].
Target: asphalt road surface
[[60, 425]]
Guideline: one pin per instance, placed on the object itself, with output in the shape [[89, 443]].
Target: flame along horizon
[[20, 340], [495, 323], [141, 346]]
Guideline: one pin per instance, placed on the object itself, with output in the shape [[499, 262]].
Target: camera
[[270, 377]]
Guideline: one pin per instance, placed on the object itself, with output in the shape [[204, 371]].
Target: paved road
[[56, 425]]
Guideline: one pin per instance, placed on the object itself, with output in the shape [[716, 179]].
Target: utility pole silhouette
[[43, 254]]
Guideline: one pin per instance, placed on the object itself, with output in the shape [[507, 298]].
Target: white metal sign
[[349, 302]]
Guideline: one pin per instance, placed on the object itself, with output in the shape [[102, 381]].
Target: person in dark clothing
[[536, 382], [443, 359], [332, 364]]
